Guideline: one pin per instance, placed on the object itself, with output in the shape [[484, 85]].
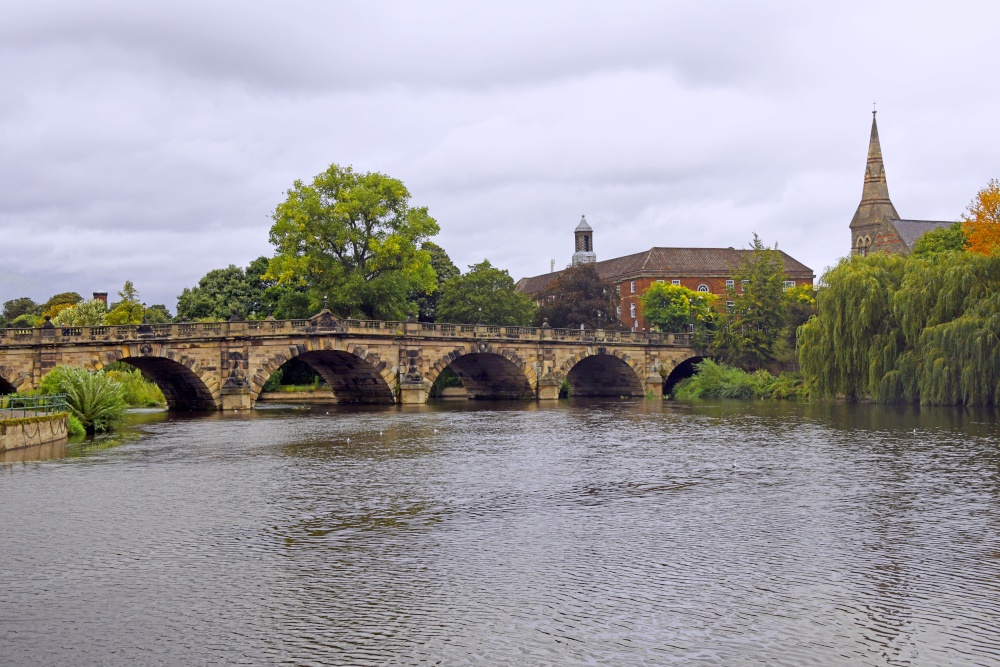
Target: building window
[[618, 290], [730, 305], [675, 282], [632, 287], [631, 310], [743, 285], [730, 284], [618, 311], [703, 288], [788, 284], [659, 281], [635, 325]]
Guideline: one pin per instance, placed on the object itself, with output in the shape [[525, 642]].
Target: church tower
[[584, 253], [875, 204]]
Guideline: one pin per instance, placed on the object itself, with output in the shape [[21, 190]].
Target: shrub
[[138, 390], [75, 428], [273, 381], [95, 399], [714, 380]]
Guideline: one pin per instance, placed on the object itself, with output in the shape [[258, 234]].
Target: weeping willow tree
[[907, 329]]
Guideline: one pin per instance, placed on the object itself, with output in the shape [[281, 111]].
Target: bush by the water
[[714, 380], [75, 428], [138, 390], [97, 400]]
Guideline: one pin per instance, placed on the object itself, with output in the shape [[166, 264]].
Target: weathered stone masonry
[[223, 366]]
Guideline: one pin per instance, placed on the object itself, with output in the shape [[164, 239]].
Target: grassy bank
[[713, 380]]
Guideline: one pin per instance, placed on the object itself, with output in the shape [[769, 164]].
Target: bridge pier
[[413, 393], [236, 399], [548, 388], [653, 386]]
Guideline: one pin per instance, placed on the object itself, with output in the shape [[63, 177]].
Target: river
[[585, 533]]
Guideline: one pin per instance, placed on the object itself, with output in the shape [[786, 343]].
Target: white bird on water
[[435, 430]]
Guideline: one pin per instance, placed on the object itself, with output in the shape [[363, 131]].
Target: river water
[[588, 533]]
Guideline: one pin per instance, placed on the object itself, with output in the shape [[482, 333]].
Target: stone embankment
[[19, 432]]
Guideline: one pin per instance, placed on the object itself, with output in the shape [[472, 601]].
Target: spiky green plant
[[95, 399]]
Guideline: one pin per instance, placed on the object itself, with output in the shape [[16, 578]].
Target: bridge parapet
[[224, 365], [370, 328]]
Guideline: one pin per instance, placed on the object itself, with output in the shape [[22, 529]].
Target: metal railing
[[264, 328], [17, 407]]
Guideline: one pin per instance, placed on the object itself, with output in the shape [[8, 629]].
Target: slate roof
[[669, 263], [911, 230]]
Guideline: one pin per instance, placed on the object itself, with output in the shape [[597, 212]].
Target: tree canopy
[[353, 238], [750, 329], [444, 270], [894, 328], [981, 220], [484, 295], [578, 296], [943, 239], [15, 308], [87, 314], [672, 308], [248, 293]]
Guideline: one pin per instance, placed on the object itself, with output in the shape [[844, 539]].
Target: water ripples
[[598, 533]]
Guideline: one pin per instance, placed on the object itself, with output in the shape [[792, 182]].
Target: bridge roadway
[[224, 365]]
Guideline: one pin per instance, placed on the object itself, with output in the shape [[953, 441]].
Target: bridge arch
[[354, 374], [681, 370], [604, 373], [10, 381], [185, 385], [488, 372]]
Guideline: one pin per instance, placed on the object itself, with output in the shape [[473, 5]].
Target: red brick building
[[700, 269]]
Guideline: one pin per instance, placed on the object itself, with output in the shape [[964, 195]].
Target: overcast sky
[[152, 141]]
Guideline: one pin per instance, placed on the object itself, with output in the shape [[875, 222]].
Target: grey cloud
[[152, 142]]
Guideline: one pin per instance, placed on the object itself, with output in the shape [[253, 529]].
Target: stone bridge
[[224, 365]]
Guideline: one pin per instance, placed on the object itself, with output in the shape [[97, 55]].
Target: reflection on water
[[598, 533]]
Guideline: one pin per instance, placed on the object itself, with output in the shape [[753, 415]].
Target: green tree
[[219, 294], [671, 308], [87, 314], [907, 329], [267, 297], [943, 239], [444, 270], [800, 306], [578, 296], [59, 303], [353, 238], [127, 311], [157, 314], [17, 307], [27, 320], [855, 326], [484, 295], [749, 330]]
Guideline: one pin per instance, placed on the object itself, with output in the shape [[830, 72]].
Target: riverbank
[[32, 431], [717, 380]]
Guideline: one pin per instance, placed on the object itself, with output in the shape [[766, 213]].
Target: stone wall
[[32, 431]]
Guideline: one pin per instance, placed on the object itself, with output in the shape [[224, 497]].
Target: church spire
[[875, 203]]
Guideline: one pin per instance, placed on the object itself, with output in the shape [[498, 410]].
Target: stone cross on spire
[[875, 204]]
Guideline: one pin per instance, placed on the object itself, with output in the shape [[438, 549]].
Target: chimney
[[101, 296]]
